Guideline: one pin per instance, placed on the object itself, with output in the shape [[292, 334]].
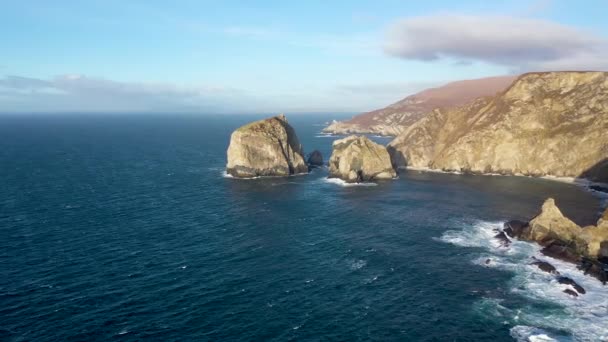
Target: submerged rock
[[503, 239], [545, 266], [267, 147], [358, 159], [569, 281], [570, 292], [315, 158], [595, 268]]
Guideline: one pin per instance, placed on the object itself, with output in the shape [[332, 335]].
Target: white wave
[[584, 317], [356, 264], [428, 169], [227, 175], [341, 182], [525, 333]]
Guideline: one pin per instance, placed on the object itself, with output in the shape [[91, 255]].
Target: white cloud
[[519, 43], [81, 93]]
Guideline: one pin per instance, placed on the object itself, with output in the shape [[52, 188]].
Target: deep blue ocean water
[[123, 227]]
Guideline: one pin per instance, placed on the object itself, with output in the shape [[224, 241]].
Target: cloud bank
[[81, 93], [518, 43]]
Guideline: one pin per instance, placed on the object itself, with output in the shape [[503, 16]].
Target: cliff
[[552, 123], [395, 118]]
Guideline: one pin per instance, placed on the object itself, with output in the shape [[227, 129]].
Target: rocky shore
[[562, 239]]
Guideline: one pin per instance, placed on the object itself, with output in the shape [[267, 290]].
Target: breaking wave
[[582, 318]]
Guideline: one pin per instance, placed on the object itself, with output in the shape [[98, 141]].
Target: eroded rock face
[[358, 159], [551, 123], [268, 147], [551, 224], [315, 158], [603, 221]]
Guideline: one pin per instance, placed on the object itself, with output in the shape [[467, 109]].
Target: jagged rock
[[394, 119], [595, 268], [267, 147], [315, 158], [515, 228], [503, 239], [551, 224], [358, 159], [551, 123], [565, 240], [558, 250], [545, 266], [569, 281]]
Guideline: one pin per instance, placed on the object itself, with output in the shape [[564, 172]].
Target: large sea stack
[[358, 159], [267, 147], [549, 123]]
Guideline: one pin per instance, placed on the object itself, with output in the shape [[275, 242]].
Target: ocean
[[125, 228]]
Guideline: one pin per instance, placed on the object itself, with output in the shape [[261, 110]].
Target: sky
[[277, 56]]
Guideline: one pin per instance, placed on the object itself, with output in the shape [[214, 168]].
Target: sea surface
[[125, 228]]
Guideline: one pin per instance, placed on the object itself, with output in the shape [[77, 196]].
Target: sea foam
[[341, 182], [585, 317]]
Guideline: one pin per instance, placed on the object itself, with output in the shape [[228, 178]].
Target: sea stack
[[358, 159], [268, 147]]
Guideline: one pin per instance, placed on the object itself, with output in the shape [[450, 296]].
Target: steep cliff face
[[267, 147], [552, 123], [358, 159], [395, 118]]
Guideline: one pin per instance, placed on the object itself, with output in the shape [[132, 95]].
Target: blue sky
[[277, 56]]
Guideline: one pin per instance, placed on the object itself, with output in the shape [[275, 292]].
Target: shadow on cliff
[[597, 173], [398, 160]]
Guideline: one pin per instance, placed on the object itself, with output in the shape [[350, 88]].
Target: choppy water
[[123, 228]]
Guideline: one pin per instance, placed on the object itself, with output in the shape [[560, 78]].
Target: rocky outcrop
[[552, 225], [551, 123], [395, 118], [565, 240], [267, 147], [545, 266], [358, 159], [315, 159], [552, 228]]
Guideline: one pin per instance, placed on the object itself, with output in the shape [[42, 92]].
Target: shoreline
[[568, 180]]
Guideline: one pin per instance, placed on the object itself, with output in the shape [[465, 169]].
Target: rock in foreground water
[[315, 159], [358, 159], [268, 147]]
